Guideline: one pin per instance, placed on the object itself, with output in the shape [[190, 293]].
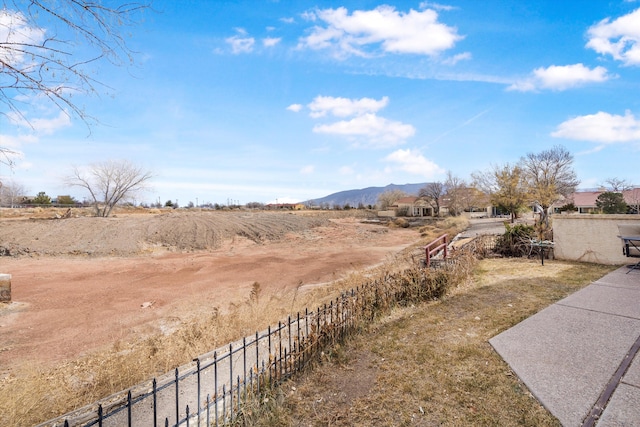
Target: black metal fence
[[212, 390]]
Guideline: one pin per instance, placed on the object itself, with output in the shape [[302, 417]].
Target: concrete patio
[[579, 356]]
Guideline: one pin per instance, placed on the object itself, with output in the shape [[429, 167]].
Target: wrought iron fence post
[[224, 404], [100, 415], [208, 423], [129, 408], [257, 363], [244, 366], [155, 403], [215, 384], [231, 380], [269, 342], [177, 397], [280, 348], [288, 361], [298, 353], [237, 397], [199, 386]]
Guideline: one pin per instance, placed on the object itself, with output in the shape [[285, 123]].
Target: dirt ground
[[82, 283]]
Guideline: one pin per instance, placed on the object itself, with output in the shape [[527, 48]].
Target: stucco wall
[[389, 213], [593, 238]]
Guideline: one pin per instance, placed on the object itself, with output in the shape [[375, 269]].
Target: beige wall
[[592, 238], [389, 213]]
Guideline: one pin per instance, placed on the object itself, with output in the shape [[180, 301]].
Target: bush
[[516, 240], [401, 222]]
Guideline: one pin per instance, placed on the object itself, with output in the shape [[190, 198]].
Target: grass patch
[[431, 364]]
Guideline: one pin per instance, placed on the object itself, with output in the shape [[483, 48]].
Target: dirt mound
[[125, 235]]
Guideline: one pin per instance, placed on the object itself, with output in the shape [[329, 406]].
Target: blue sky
[[292, 100]]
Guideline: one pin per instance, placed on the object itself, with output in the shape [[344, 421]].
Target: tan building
[[585, 201], [286, 206], [415, 207]]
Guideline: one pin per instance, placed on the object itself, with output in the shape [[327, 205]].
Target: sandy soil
[[81, 284]]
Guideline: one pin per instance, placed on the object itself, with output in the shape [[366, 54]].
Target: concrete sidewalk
[[580, 357]]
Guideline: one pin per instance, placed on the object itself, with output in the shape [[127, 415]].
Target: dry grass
[[32, 394], [431, 364]]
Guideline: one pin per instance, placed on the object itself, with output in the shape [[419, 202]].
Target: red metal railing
[[434, 247]]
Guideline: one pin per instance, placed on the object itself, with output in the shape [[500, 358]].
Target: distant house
[[413, 206], [419, 207], [286, 206], [585, 201]]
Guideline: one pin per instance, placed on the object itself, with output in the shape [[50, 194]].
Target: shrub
[[401, 222], [516, 240]]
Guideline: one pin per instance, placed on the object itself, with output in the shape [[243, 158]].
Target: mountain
[[366, 196]]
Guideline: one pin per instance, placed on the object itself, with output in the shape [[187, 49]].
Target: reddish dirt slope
[[65, 306]]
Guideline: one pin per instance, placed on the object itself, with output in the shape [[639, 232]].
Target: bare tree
[[11, 193], [455, 194], [432, 193], [618, 185], [632, 196], [389, 197], [109, 183], [548, 177], [47, 50]]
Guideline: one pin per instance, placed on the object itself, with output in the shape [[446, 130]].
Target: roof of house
[[585, 198], [406, 200], [588, 198]]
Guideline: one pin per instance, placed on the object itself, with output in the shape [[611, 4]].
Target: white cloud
[[50, 126], [344, 107], [436, 6], [294, 107], [307, 170], [560, 77], [42, 126], [241, 44], [414, 162], [12, 142], [11, 145], [465, 56], [619, 38], [413, 32], [375, 131], [287, 20], [271, 41], [600, 127], [362, 125], [15, 30], [24, 165]]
